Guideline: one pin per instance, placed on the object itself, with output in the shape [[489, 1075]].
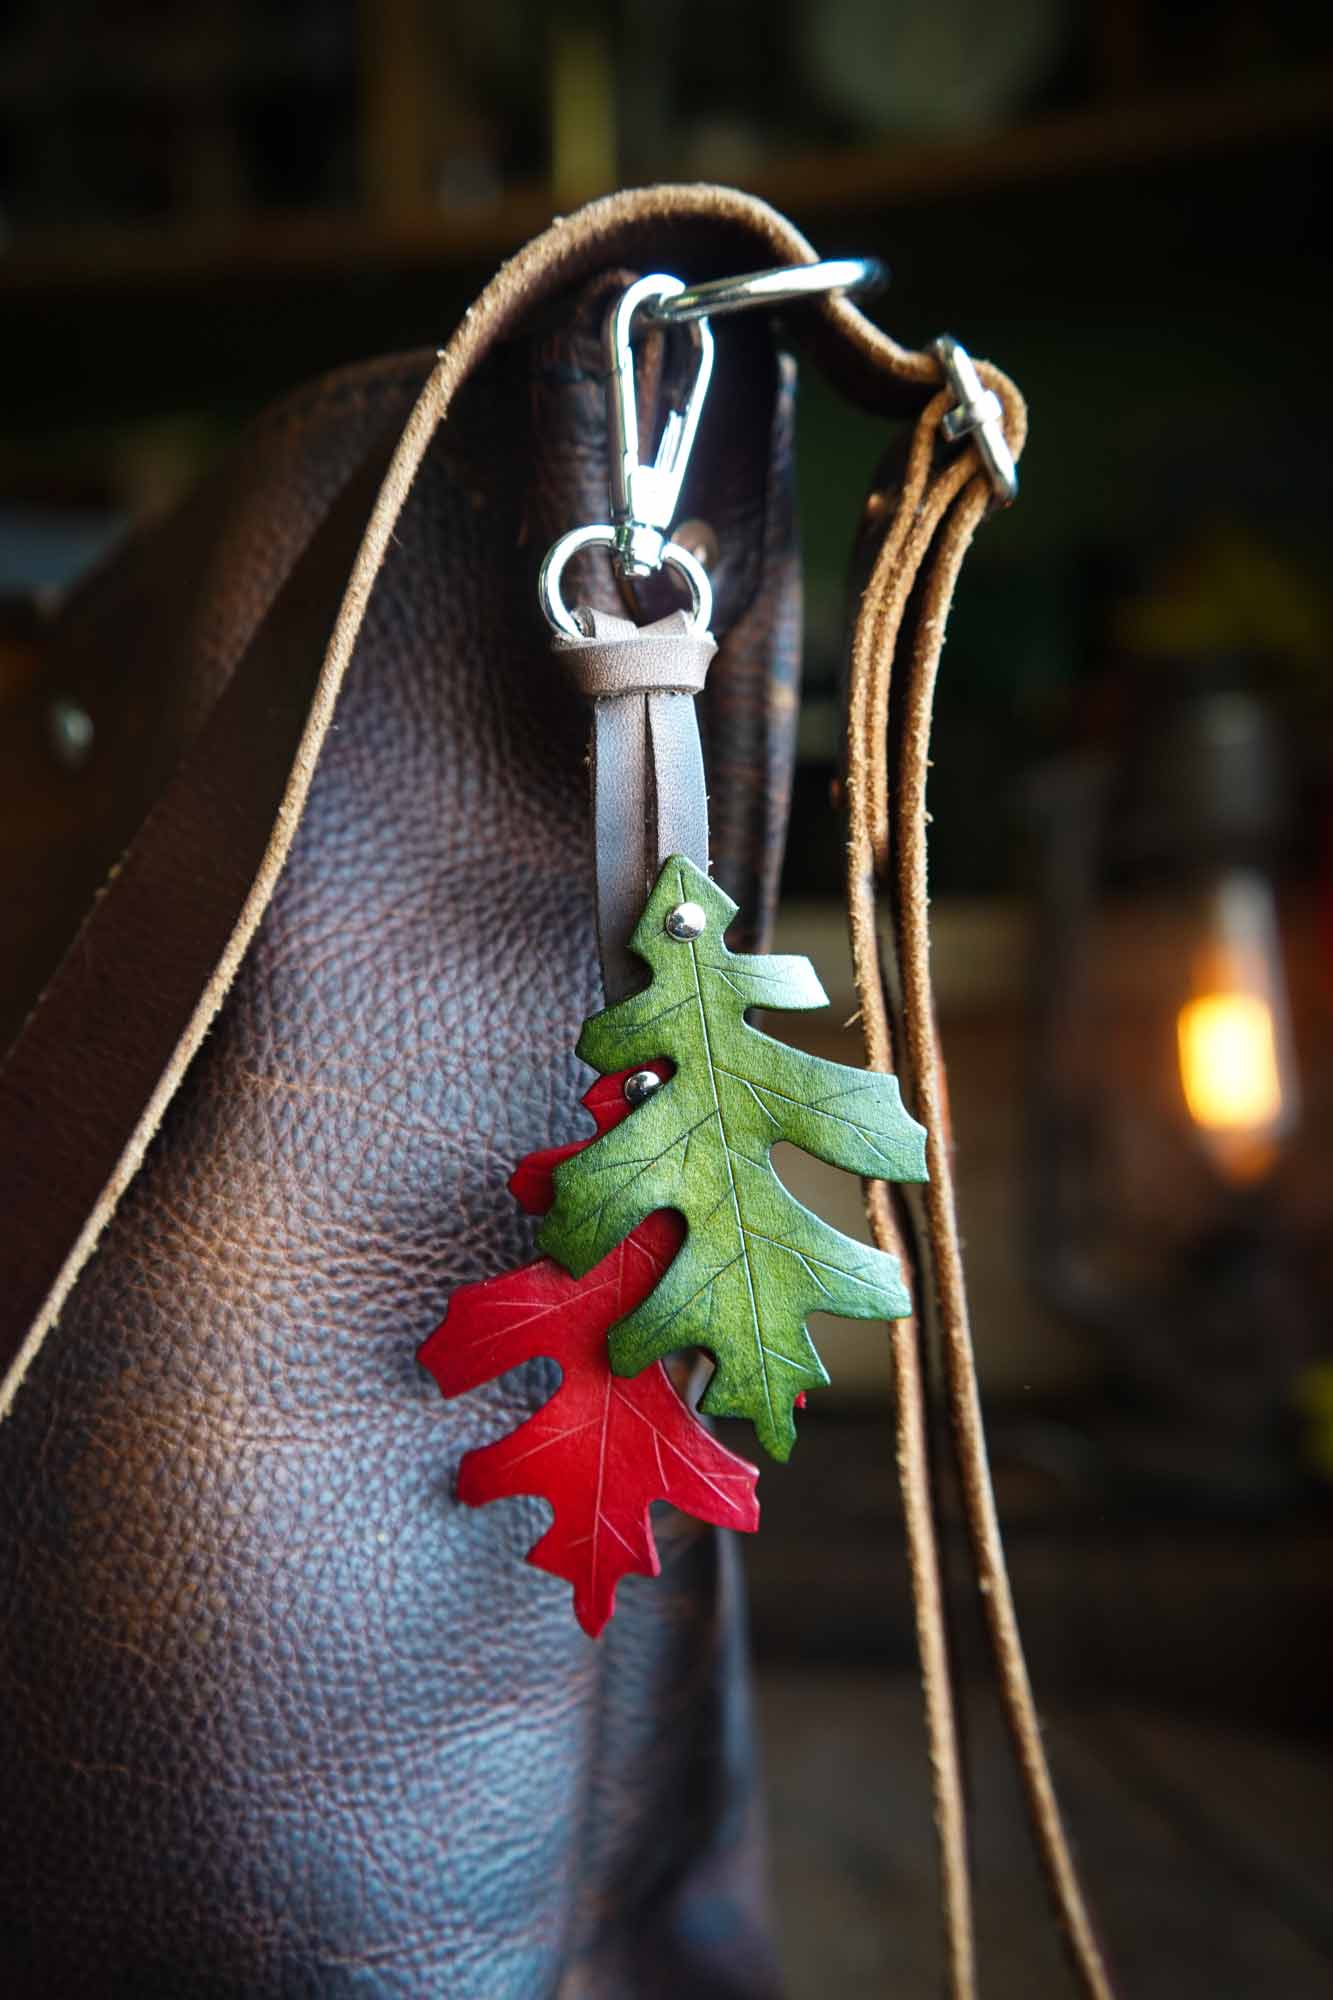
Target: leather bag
[[279, 1717]]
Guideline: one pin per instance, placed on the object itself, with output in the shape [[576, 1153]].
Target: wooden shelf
[[1133, 135]]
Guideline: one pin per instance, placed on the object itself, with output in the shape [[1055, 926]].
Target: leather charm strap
[[650, 797]]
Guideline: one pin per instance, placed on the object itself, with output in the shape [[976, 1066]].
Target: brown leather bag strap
[[109, 1043]]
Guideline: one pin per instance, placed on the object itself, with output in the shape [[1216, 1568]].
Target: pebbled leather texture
[[277, 1717]]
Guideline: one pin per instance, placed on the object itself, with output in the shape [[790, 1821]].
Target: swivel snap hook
[[643, 498]]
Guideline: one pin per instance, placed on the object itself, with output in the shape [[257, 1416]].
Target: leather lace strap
[[650, 799], [891, 686], [222, 832]]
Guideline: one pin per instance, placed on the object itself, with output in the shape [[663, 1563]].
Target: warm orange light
[[1232, 1035], [1228, 1062]]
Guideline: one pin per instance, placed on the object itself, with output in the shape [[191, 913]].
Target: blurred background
[[1132, 799]]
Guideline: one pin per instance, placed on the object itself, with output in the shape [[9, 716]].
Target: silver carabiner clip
[[643, 498]]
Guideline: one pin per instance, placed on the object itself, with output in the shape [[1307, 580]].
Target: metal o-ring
[[561, 619], [787, 285]]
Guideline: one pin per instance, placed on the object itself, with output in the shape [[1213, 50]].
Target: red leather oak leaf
[[604, 1447]]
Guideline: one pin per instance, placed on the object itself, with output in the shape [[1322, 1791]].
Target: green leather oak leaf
[[755, 1263]]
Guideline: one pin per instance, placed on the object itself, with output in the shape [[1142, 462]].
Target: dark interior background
[[1122, 204]]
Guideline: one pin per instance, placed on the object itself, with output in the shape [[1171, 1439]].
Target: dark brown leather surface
[[75, 1084], [61, 831], [276, 1716]]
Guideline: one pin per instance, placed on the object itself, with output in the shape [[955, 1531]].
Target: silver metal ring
[[561, 619], [786, 285]]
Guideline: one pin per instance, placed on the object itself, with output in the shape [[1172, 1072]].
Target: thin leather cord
[[932, 1632], [950, 1284], [873, 644], [924, 548]]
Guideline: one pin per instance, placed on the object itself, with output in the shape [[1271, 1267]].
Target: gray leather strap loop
[[650, 797], [617, 657]]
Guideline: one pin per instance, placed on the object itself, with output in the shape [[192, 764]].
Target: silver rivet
[[71, 731], [640, 1087], [686, 922]]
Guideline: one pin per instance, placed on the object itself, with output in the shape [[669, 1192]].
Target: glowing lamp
[[1233, 1035], [1228, 1065], [1166, 1092]]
